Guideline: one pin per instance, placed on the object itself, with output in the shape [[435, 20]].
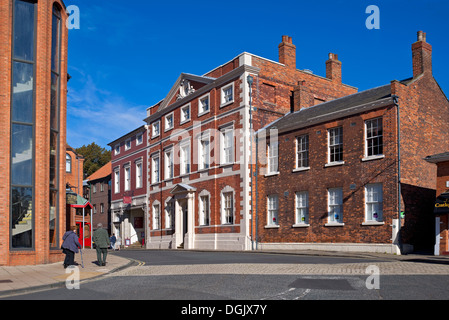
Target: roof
[[331, 110], [437, 158], [102, 172]]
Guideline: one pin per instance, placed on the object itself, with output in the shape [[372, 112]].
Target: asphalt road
[[189, 280]]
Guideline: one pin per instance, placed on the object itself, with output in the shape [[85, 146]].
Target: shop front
[[441, 212]]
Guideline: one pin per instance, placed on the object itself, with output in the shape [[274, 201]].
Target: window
[[185, 113], [101, 208], [156, 216], [335, 145], [22, 130], [116, 181], [302, 208], [272, 210], [117, 149], [227, 137], [139, 178], [169, 215], [139, 139], [204, 211], [374, 137], [155, 165], [335, 205], [94, 188], [302, 151], [127, 178], [128, 144], [169, 122], [68, 163], [101, 186], [227, 94], [155, 127], [95, 209], [273, 157], [204, 152], [373, 202], [228, 208], [203, 105], [185, 158], [169, 164]]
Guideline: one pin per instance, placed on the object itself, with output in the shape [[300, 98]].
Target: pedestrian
[[70, 246], [113, 239], [102, 243]]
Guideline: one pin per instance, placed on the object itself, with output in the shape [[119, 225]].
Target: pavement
[[24, 279]]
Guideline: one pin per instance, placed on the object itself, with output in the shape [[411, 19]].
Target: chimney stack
[[333, 68], [422, 56], [287, 52]]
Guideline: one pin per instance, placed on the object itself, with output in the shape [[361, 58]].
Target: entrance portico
[[184, 214]]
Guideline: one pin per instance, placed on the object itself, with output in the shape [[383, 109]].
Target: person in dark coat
[[70, 246], [102, 243]]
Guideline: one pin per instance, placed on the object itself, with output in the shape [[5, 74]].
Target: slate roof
[[331, 110]]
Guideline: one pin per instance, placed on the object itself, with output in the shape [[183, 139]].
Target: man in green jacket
[[102, 243]]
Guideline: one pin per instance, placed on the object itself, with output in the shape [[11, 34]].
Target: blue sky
[[125, 58]]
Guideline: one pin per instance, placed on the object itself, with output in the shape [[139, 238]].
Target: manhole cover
[[322, 284]]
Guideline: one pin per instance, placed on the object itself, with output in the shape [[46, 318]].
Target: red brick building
[[199, 193], [33, 86], [129, 187], [332, 173]]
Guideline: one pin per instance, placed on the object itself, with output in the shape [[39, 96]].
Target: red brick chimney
[[333, 68], [422, 56], [287, 52]]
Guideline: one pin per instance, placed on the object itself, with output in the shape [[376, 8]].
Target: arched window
[[68, 163]]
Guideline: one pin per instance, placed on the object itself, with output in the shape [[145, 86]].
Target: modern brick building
[[200, 146], [129, 187], [33, 86], [349, 174]]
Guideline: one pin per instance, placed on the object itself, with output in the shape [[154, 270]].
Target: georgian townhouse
[[350, 174], [33, 86], [129, 187], [201, 145]]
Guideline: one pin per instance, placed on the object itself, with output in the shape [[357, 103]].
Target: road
[[229, 276]]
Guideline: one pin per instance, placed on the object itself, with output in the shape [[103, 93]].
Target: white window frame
[[273, 157], [156, 216], [224, 100], [167, 127], [139, 137], [227, 206], [333, 133], [367, 122], [127, 170], [302, 208], [127, 144], [184, 157], [302, 153], [156, 129], [139, 174], [204, 152], [169, 170], [117, 149], [335, 206], [272, 210], [117, 181], [204, 206], [155, 168], [374, 199], [201, 109], [227, 151], [185, 117]]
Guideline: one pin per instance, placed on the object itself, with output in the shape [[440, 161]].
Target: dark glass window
[[22, 125]]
